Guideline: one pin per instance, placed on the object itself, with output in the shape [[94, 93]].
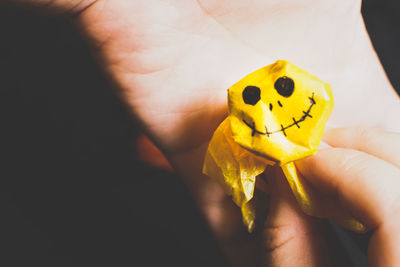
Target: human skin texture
[[171, 62]]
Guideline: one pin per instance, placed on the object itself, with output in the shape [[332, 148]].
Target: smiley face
[[279, 112]]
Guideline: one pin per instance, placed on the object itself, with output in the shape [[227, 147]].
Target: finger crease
[[273, 246]]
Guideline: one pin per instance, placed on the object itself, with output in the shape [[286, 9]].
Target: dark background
[[72, 190]]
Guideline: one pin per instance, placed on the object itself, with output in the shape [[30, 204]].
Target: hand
[[172, 62]]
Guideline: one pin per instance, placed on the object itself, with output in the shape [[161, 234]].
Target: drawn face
[[279, 111]]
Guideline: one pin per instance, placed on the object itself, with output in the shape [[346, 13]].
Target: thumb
[[290, 237]]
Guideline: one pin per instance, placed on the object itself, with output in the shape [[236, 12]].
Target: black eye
[[285, 86], [251, 95]]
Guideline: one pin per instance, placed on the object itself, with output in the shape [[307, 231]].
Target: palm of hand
[[174, 60]]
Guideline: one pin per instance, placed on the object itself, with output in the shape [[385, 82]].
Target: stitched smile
[[283, 128]]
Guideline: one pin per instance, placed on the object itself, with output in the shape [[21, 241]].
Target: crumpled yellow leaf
[[276, 116]]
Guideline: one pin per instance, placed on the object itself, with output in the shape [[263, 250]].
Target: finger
[[367, 185], [382, 144], [291, 238]]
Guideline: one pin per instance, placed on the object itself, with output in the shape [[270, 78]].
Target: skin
[[172, 61], [363, 172]]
